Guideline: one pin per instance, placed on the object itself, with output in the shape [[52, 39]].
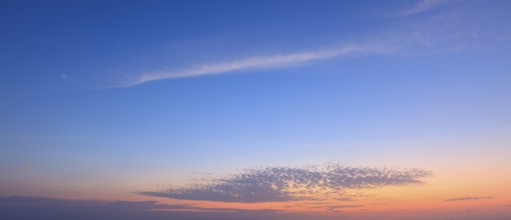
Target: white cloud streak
[[251, 63], [443, 32]]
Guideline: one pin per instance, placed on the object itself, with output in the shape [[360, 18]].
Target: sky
[[275, 110]]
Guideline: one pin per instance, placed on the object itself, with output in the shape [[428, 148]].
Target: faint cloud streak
[[466, 198], [420, 7]]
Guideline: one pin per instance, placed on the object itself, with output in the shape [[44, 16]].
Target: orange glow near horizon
[[448, 191]]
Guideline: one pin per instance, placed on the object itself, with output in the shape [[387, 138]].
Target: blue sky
[[98, 94]]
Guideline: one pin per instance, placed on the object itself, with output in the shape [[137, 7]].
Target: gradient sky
[[269, 109]]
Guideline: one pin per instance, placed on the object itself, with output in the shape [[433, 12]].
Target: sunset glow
[[263, 110]]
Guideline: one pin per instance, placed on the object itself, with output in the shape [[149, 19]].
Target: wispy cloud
[[446, 31], [280, 184], [420, 7], [251, 63], [467, 198]]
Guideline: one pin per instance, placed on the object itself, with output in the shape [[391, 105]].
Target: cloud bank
[[281, 184], [28, 208]]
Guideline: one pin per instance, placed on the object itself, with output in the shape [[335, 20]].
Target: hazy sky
[[256, 109]]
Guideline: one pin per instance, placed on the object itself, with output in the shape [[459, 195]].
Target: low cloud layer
[[28, 208], [281, 184]]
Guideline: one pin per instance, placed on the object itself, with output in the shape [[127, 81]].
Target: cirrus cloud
[[421, 6], [251, 63]]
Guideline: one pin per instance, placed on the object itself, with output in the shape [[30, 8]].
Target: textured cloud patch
[[467, 198], [281, 184]]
